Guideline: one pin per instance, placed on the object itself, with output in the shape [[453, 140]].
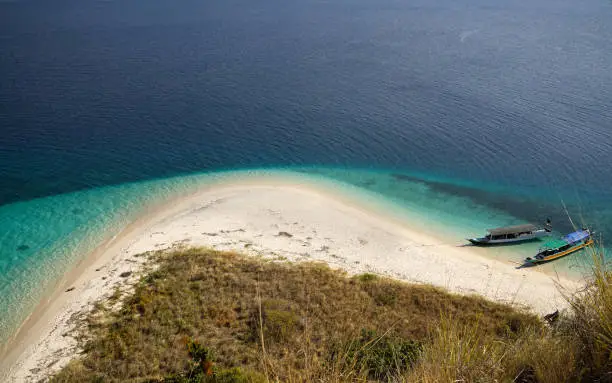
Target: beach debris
[[284, 234], [22, 247], [232, 231], [125, 274], [69, 289], [54, 362], [552, 317]]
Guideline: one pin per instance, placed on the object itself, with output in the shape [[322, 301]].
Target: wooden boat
[[561, 247], [513, 234]]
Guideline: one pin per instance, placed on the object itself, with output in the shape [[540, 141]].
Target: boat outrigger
[[513, 234], [561, 247]]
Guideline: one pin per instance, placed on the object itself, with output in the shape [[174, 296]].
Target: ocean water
[[466, 113]]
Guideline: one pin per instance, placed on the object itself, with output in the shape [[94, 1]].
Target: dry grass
[[461, 353], [207, 316], [275, 321], [590, 321], [576, 348], [458, 353]]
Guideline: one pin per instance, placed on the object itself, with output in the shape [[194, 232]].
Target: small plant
[[201, 357], [367, 277]]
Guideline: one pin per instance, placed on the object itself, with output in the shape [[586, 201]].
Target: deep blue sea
[[491, 112]]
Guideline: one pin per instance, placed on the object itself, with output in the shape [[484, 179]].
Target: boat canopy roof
[[576, 236], [554, 244], [512, 229], [568, 239]]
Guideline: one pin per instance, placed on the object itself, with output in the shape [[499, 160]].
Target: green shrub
[[366, 277]]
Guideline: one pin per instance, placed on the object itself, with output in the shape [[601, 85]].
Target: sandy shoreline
[[275, 218]]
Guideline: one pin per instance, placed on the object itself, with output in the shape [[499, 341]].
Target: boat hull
[[509, 241], [561, 254]]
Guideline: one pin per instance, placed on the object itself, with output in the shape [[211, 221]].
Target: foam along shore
[[276, 218]]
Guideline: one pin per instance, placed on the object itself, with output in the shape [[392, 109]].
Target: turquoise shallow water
[[457, 210], [43, 238]]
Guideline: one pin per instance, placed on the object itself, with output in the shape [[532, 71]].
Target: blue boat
[[561, 247]]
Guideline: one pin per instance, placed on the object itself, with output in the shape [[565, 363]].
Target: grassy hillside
[[206, 316]]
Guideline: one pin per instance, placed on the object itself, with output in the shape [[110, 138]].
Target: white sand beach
[[282, 219]]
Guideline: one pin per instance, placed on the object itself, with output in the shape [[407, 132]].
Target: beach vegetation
[[209, 316], [366, 277], [589, 321]]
